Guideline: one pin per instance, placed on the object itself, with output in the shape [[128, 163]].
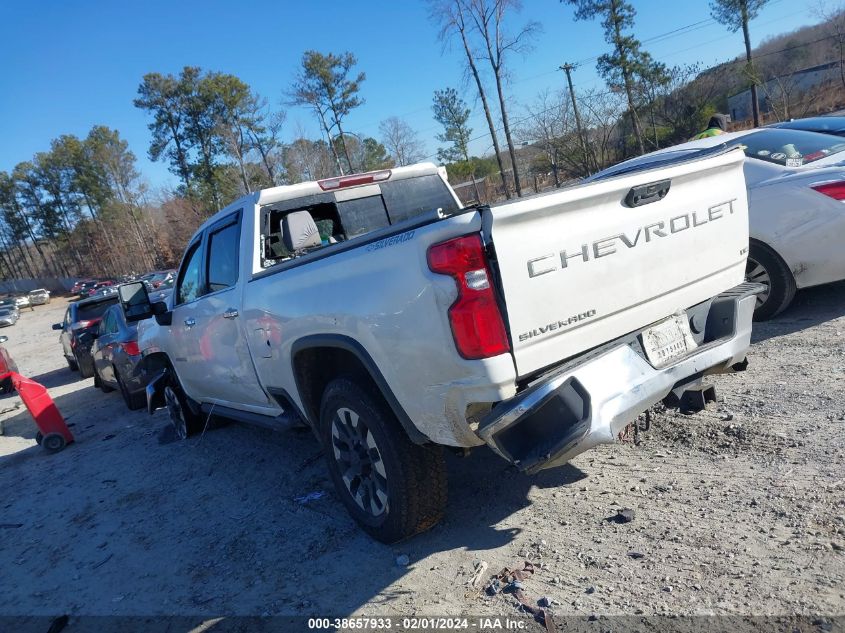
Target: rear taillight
[[131, 348], [835, 190], [477, 325]]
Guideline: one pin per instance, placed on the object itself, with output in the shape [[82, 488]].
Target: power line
[[609, 92], [682, 30]]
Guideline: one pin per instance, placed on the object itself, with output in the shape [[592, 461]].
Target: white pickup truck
[[394, 322]]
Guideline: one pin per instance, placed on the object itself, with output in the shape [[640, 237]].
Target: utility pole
[[568, 68]]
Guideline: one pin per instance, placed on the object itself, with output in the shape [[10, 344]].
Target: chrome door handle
[[191, 322], [231, 313]]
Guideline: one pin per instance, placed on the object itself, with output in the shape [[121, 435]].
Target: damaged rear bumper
[[589, 401]]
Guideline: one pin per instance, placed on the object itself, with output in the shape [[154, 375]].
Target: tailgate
[[586, 265]]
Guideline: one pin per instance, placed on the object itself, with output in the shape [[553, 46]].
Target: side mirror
[[135, 302], [3, 339], [58, 326], [162, 313]]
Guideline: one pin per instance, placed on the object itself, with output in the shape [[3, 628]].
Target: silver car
[[8, 315], [39, 297], [22, 301]]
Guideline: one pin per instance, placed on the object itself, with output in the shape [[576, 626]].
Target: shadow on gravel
[[239, 520], [60, 377], [810, 307]]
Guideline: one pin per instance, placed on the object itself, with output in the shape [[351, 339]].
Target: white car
[[796, 197]]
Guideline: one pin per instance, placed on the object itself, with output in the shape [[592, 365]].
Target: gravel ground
[[738, 510]]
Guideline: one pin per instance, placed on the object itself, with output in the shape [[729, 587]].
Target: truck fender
[[310, 388]]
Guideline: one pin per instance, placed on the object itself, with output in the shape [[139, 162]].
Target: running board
[[282, 422]]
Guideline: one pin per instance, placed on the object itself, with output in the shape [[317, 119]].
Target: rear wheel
[[392, 487], [185, 421], [86, 368], [71, 363], [98, 382], [766, 267]]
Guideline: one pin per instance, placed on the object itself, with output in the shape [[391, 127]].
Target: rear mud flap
[[155, 391]]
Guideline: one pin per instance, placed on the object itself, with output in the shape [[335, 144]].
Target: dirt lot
[[739, 509]]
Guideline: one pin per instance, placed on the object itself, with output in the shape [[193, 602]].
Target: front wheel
[[392, 487], [766, 267], [185, 421]]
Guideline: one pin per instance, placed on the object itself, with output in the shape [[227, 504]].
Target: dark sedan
[[826, 124], [81, 322], [116, 357]]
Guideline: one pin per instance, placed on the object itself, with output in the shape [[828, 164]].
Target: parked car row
[[97, 341], [10, 306], [78, 329]]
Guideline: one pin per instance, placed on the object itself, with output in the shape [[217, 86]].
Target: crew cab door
[[212, 358]]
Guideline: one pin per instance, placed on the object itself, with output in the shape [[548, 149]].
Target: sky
[[71, 65]]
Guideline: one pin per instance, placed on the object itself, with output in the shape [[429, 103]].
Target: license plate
[[668, 340]]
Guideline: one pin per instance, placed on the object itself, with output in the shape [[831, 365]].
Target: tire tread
[[783, 288], [422, 468]]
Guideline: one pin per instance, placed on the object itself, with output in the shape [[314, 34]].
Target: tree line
[[82, 208]]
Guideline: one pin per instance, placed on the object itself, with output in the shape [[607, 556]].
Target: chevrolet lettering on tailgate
[[607, 245]]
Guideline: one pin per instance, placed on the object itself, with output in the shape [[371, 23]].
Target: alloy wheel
[[756, 272], [360, 462]]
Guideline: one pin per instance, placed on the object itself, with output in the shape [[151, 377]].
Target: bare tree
[[786, 97], [549, 120], [266, 141], [686, 100], [451, 15], [488, 17], [401, 141], [833, 15], [603, 110], [305, 159]]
